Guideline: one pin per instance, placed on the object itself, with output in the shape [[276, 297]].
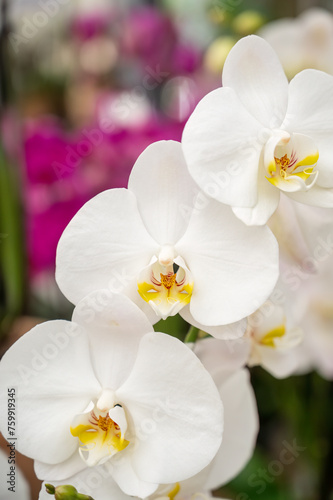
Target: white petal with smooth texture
[[177, 413], [316, 196], [123, 472], [253, 70], [241, 425], [95, 482], [51, 370], [61, 471], [225, 361], [232, 331], [115, 327], [314, 226], [286, 37], [268, 201], [222, 144], [228, 356], [235, 267], [310, 112], [104, 246], [164, 190]]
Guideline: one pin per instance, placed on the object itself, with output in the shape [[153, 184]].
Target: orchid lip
[[166, 288], [290, 162], [101, 434]]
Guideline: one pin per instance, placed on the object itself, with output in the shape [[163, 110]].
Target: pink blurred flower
[[50, 200], [64, 170], [150, 35], [86, 25]]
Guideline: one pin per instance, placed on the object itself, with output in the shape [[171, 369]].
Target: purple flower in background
[[63, 171], [45, 143], [186, 58], [86, 25], [149, 35], [44, 229], [50, 200]]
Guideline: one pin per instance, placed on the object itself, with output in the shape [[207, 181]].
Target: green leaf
[[12, 255]]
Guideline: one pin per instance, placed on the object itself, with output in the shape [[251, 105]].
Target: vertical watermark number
[[11, 438]]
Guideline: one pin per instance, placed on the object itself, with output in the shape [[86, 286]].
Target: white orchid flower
[[317, 296], [239, 436], [257, 136], [302, 42], [106, 389], [273, 337], [169, 248], [271, 341]]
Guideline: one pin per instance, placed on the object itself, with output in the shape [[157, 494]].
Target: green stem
[[191, 335]]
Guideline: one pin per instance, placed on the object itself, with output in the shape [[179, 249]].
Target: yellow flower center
[[290, 161], [168, 280], [166, 288], [283, 162], [106, 424], [100, 437]]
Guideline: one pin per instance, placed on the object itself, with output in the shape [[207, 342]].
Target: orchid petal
[[60, 471], [232, 331], [40, 364], [109, 318], [225, 355], [253, 70], [310, 112], [164, 190], [286, 37], [222, 144], [268, 200], [317, 196], [97, 483], [235, 267], [173, 443], [129, 481], [104, 246], [314, 227], [241, 425]]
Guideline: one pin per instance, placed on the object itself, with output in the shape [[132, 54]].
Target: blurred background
[[85, 87]]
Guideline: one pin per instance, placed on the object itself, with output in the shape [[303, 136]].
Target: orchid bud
[[66, 492]]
